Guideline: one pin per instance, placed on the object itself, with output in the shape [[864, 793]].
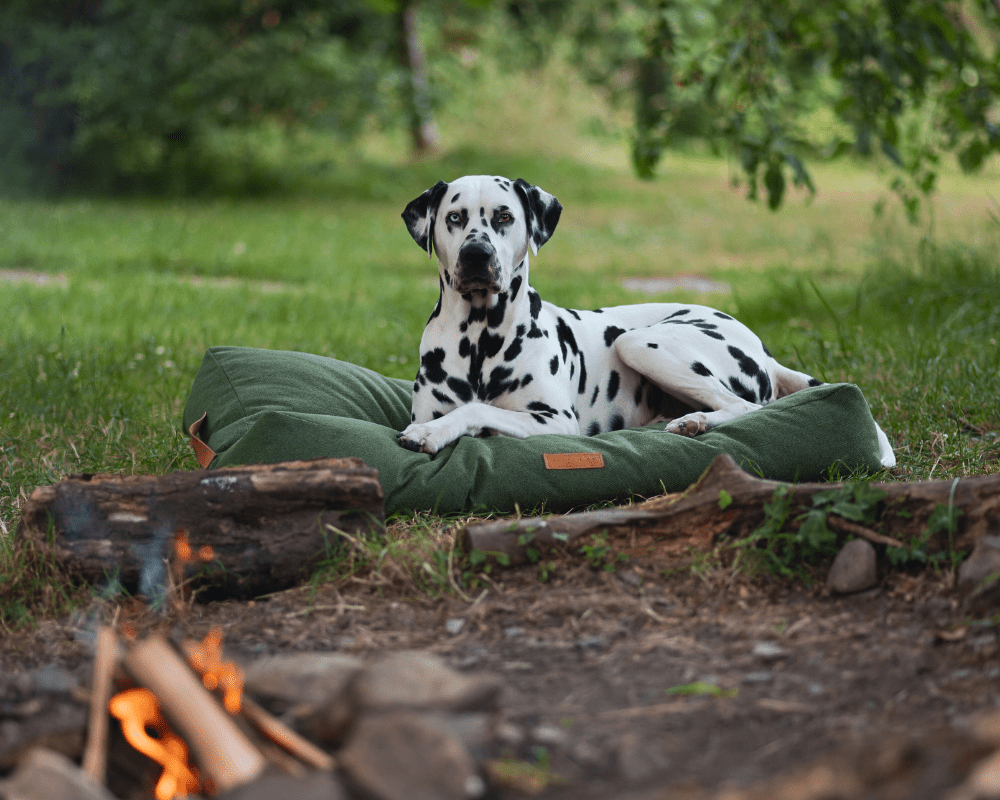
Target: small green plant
[[599, 553], [943, 519], [701, 688]]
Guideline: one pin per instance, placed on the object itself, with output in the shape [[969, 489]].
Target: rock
[[769, 651], [46, 775], [853, 569], [403, 755], [302, 678], [454, 625], [549, 735], [61, 727], [314, 786], [422, 681]]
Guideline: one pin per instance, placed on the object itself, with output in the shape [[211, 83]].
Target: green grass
[[109, 304]]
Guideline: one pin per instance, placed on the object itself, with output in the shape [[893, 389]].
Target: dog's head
[[482, 227]]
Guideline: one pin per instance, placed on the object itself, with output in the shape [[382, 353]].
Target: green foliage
[[599, 554], [155, 93], [701, 688], [906, 80]]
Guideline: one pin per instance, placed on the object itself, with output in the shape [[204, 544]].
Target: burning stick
[[206, 658], [95, 757], [227, 758]]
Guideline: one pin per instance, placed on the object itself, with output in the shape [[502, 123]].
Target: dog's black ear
[[419, 216], [542, 211]]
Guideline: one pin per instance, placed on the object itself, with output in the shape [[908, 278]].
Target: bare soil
[[880, 687]]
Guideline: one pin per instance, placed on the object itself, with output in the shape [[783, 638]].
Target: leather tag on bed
[[573, 460]]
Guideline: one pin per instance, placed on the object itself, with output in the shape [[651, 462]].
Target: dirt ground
[[882, 687]]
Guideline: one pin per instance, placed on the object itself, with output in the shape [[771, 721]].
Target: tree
[[116, 93], [911, 79]]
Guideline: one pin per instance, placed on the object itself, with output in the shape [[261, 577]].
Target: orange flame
[[186, 553], [138, 710], [206, 659]]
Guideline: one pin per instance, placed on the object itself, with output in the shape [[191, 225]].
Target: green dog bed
[[266, 406]]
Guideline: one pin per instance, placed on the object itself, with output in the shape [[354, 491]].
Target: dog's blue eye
[[454, 216]]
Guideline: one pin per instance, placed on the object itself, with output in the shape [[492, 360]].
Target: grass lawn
[[110, 304]]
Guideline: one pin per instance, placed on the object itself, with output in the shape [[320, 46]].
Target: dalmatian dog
[[497, 359]]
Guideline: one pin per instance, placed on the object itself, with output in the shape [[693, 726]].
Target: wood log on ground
[[664, 528], [240, 531]]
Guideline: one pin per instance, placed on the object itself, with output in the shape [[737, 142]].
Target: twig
[[282, 735], [860, 530], [95, 756]]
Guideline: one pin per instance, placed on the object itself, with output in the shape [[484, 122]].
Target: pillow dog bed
[[266, 406]]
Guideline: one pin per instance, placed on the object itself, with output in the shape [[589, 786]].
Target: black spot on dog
[[638, 390], [617, 423], [652, 345], [766, 351], [554, 365], [566, 337], [499, 383], [611, 333], [464, 347], [462, 389], [416, 386], [463, 326], [679, 313], [496, 314], [572, 370], [513, 350], [700, 369], [567, 414], [544, 408], [763, 386], [741, 389], [515, 287], [535, 332], [441, 397], [437, 415], [526, 380], [436, 311], [814, 382], [746, 364], [539, 418], [413, 417], [534, 303], [705, 326], [455, 198], [498, 225], [431, 362], [714, 335], [571, 311], [720, 315], [597, 391], [597, 311], [613, 383], [489, 343], [593, 429], [582, 385], [477, 314]]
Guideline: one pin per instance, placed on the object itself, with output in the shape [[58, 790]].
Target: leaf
[[774, 181], [725, 499]]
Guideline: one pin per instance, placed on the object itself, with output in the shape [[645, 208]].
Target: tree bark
[[665, 528], [423, 131], [241, 531]]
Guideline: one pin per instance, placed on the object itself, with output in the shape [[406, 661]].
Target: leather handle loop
[[202, 451]]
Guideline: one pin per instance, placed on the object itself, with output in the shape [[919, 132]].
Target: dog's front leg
[[474, 418]]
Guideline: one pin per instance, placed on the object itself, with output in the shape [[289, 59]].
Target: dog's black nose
[[476, 255]]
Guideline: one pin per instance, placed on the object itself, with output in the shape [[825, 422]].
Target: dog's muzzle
[[478, 267]]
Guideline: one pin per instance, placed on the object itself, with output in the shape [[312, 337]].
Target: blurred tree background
[[181, 95]]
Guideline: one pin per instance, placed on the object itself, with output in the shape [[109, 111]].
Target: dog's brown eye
[[505, 217]]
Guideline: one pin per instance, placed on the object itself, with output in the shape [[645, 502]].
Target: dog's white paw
[[424, 438], [688, 425]]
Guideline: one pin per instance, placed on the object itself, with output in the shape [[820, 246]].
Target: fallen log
[[240, 531], [728, 501]]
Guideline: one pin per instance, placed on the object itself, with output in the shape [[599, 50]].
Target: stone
[[60, 727], [46, 775], [417, 680], [454, 625], [403, 755], [769, 651], [301, 678], [853, 569], [314, 786]]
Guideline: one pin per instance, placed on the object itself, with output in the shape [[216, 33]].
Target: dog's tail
[[788, 381]]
